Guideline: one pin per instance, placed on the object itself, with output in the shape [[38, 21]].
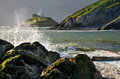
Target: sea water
[[68, 43]]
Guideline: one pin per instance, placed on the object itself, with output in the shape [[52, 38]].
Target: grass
[[118, 3], [36, 19]]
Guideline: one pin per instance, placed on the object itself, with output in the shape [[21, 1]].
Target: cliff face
[[36, 20], [114, 24], [93, 16]]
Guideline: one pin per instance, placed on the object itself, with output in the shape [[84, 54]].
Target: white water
[[17, 35]]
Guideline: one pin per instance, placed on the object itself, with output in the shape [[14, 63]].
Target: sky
[[57, 9]]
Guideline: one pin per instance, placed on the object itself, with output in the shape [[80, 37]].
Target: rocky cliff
[[36, 20], [93, 16], [114, 24]]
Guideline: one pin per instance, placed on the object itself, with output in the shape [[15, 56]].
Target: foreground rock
[[27, 61], [80, 67], [4, 47], [32, 60], [92, 17]]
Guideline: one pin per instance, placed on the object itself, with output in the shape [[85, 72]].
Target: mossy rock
[[3, 75], [55, 74], [83, 67], [11, 56], [79, 67], [37, 52], [4, 47], [62, 65]]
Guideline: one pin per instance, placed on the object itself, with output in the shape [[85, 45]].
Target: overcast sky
[[58, 9]]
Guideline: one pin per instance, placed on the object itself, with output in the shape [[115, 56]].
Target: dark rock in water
[[79, 67], [84, 68], [105, 58], [92, 17], [27, 61], [4, 47], [38, 51]]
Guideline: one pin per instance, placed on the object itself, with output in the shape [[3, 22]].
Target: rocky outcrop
[[79, 67], [93, 16], [36, 20], [34, 61], [38, 51], [27, 61], [4, 47]]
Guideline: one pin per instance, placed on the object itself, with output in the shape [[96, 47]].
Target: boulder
[[27, 61], [84, 68], [79, 67], [4, 47], [38, 51]]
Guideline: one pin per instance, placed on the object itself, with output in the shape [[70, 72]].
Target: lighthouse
[[41, 13]]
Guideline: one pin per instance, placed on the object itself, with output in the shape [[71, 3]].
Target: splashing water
[[18, 34], [20, 17]]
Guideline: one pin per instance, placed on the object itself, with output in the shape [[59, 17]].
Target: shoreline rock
[[4, 47], [79, 67], [34, 61], [27, 61]]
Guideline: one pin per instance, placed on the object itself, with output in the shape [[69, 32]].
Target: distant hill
[[94, 16], [36, 20]]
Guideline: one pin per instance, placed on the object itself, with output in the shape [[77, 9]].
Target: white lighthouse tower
[[41, 13]]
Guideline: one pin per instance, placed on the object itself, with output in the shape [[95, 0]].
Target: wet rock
[[20, 67], [4, 47], [3, 75], [79, 67], [105, 58], [84, 68], [27, 61], [38, 51]]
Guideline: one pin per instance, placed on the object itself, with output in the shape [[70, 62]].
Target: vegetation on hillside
[[107, 4]]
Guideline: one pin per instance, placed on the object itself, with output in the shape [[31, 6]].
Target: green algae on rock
[[4, 47], [79, 67], [27, 61]]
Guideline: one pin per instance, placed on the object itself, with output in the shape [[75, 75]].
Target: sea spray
[[19, 17], [18, 34]]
